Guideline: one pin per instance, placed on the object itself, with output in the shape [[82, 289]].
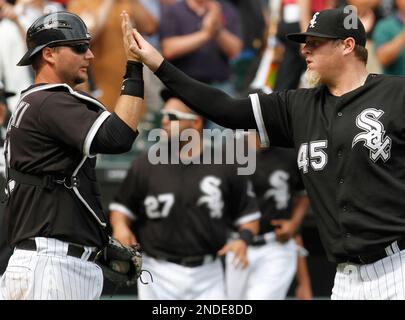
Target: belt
[[389, 250], [191, 261], [73, 249], [47, 182], [262, 239]]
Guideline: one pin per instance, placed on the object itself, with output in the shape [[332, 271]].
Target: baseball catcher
[[121, 264]]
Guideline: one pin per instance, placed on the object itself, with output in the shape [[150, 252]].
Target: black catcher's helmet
[[57, 27]]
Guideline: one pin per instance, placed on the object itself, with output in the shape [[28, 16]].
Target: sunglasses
[[79, 48], [175, 115]]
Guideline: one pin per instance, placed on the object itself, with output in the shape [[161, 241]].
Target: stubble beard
[[78, 80]]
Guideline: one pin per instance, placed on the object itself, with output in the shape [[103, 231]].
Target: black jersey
[[276, 183], [351, 152], [50, 133], [184, 210]]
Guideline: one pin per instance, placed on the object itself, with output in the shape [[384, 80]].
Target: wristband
[[134, 70], [132, 87], [133, 80], [246, 235]]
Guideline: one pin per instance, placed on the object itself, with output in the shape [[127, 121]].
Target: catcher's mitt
[[120, 264]]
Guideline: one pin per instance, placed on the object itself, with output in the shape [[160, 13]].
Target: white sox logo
[[313, 21], [374, 137], [213, 198], [279, 191]]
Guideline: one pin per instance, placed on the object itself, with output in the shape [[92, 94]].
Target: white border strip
[[73, 92], [21, 114], [115, 206], [92, 132], [248, 218], [257, 111]]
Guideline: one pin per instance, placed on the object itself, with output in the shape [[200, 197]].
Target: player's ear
[[48, 54], [349, 44]]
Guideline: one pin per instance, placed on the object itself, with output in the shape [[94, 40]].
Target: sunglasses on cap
[[175, 115], [79, 48]]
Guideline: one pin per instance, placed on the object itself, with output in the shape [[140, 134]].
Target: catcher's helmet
[[57, 27]]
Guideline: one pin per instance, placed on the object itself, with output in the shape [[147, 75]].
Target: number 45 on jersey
[[312, 154]]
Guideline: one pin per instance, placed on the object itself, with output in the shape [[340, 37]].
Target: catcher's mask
[[51, 29]]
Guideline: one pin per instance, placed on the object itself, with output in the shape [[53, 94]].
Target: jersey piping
[[257, 112]]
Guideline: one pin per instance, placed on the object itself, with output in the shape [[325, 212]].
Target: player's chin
[[312, 77], [80, 79]]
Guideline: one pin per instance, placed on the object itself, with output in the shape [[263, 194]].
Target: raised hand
[[128, 38], [146, 52]]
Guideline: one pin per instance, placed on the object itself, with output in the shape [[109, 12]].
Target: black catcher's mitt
[[120, 264]]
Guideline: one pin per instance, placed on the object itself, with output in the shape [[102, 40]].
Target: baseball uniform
[[54, 214], [272, 264], [350, 155], [182, 215]]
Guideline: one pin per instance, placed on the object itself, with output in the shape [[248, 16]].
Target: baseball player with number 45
[[349, 134]]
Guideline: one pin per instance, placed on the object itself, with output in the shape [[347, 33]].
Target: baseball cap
[[333, 24], [167, 94], [51, 29]]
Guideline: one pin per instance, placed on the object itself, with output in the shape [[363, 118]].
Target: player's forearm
[[230, 44], [211, 103], [129, 106], [117, 219], [302, 272], [129, 110], [389, 52], [178, 46], [299, 211]]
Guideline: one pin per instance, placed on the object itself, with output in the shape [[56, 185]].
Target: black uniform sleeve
[[299, 188], [211, 103], [273, 118], [113, 136], [128, 198], [66, 119], [245, 208]]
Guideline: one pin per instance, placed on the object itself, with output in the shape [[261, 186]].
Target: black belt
[[260, 239], [46, 181], [73, 250], [191, 261], [377, 255]]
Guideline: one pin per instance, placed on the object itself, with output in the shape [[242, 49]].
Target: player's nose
[[305, 50], [89, 54]]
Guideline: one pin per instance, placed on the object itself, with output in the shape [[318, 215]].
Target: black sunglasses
[[79, 48]]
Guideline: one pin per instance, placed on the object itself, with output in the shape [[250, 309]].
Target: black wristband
[[132, 87], [246, 235], [134, 70]]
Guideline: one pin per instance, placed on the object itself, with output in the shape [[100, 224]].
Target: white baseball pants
[[381, 280], [50, 274], [269, 274], [172, 281]]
